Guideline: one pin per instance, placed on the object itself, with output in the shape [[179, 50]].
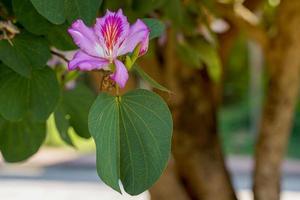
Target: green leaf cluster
[[132, 132], [29, 90]]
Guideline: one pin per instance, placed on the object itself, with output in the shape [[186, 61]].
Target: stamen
[[111, 31]]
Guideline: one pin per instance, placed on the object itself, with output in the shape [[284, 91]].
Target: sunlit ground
[[64, 174]]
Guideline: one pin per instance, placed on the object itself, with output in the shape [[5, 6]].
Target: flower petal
[[138, 34], [85, 38], [121, 74], [86, 62], [112, 30]]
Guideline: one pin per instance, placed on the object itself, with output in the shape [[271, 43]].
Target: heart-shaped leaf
[[85, 10], [26, 52], [133, 139], [20, 140], [36, 96], [57, 11], [73, 111], [53, 10], [30, 18]]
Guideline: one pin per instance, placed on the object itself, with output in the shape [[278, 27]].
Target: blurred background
[[234, 70]]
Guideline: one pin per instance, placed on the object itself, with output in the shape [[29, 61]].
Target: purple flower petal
[[138, 34], [86, 62], [121, 74], [111, 31], [85, 38]]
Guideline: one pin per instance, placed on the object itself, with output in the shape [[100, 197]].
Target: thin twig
[[103, 75], [101, 80], [59, 55]]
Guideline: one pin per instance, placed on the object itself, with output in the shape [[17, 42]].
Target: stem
[[102, 76], [117, 90], [59, 55]]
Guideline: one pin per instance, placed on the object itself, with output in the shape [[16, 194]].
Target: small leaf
[[149, 80], [208, 54], [77, 103], [20, 140], [85, 10], [133, 139], [52, 10], [36, 96], [62, 124], [157, 27]]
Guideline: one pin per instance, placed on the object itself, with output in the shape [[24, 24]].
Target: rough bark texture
[[196, 145], [280, 102], [169, 186]]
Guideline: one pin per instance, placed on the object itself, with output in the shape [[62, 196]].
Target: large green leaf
[[73, 111], [30, 18], [157, 28], [52, 10], [85, 10], [36, 96], [145, 7], [59, 37], [8, 5], [35, 49], [25, 52], [10, 56], [56, 11], [20, 140], [133, 139]]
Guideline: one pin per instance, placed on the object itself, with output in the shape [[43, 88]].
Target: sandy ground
[[66, 175]]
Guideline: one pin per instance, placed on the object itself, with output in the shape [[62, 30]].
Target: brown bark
[[196, 145], [280, 102], [169, 186], [199, 169]]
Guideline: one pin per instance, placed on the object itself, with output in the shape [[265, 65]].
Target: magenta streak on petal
[[111, 30]]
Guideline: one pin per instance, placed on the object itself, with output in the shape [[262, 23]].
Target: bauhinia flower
[[102, 45]]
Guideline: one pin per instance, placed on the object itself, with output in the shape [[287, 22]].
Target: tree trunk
[[196, 147], [280, 102], [199, 168]]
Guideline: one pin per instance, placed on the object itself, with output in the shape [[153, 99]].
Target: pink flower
[[101, 45]]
